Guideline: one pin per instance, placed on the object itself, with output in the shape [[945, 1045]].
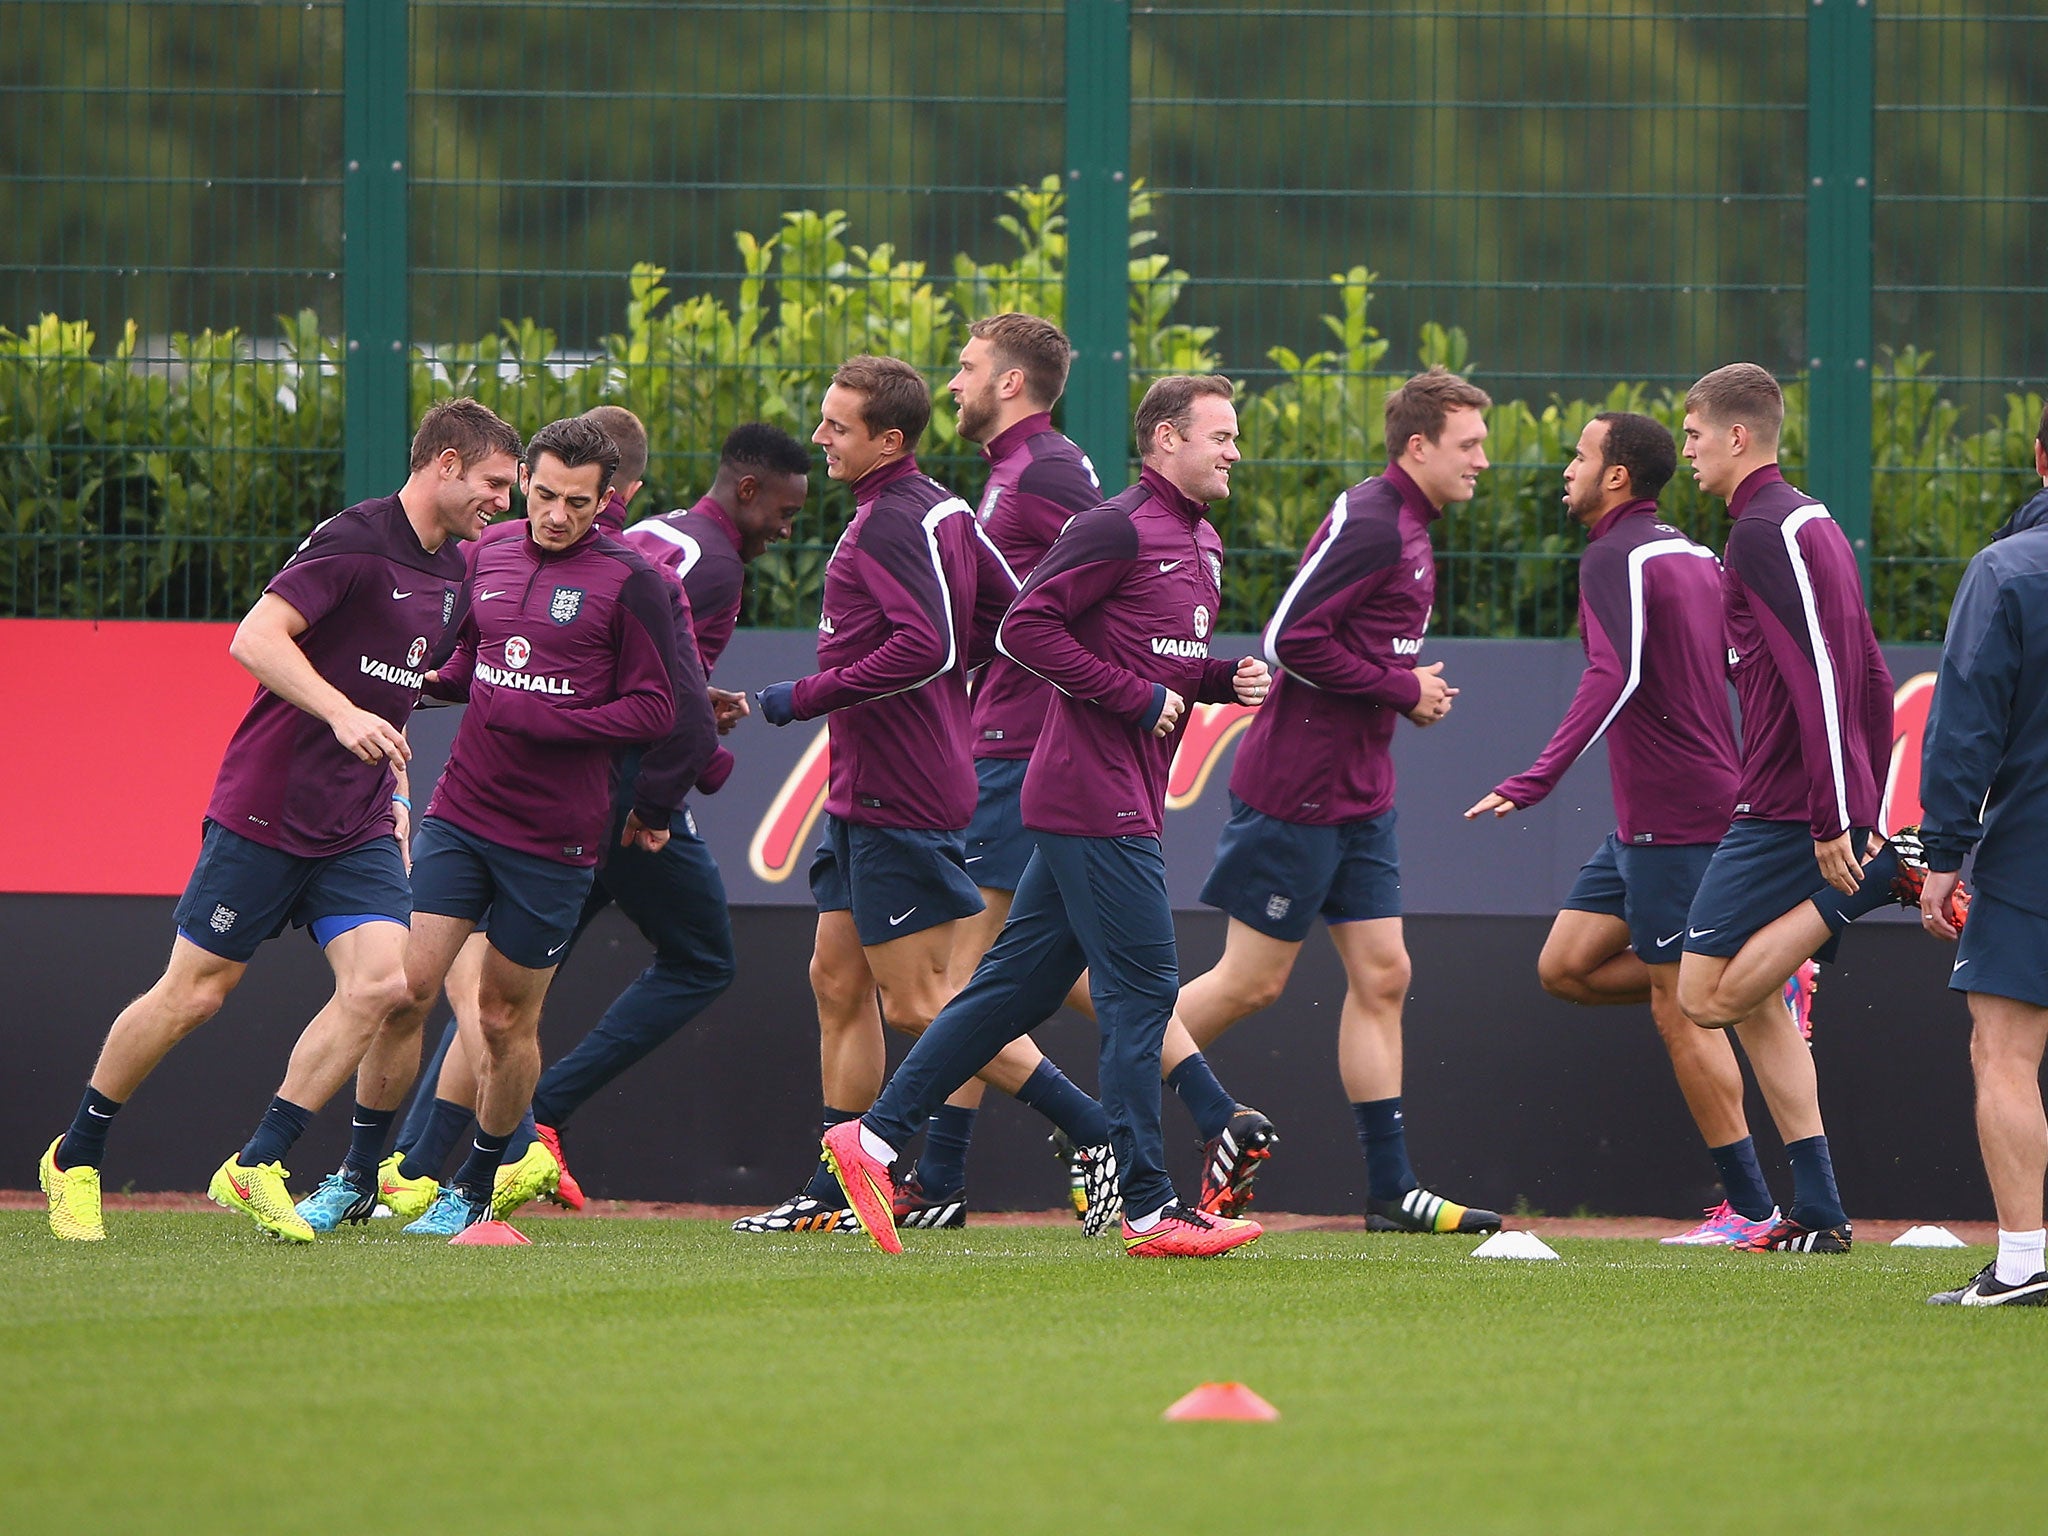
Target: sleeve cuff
[[1150, 717]]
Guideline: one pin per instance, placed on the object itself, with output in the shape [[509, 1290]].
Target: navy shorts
[[244, 892], [533, 902], [1760, 871], [998, 843], [1277, 876], [2003, 952], [1648, 886], [896, 881]]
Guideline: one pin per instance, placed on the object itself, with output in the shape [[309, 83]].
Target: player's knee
[[1700, 1004], [1560, 980], [836, 993], [194, 1000], [1385, 986], [377, 997], [911, 1015]]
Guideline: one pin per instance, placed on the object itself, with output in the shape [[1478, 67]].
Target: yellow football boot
[[74, 1199], [259, 1193]]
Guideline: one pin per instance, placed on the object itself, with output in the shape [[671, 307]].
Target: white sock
[[875, 1147], [1145, 1223], [2019, 1255]]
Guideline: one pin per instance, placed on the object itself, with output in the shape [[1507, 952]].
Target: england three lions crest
[[567, 604]]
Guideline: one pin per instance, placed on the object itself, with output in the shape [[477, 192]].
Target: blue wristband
[[401, 800]]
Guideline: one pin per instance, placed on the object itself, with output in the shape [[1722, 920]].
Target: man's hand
[[1436, 698], [637, 834], [1838, 863], [778, 705], [1252, 681], [1935, 891], [1499, 804], [1169, 714], [370, 736], [728, 708]]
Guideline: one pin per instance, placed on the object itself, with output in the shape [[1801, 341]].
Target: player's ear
[[746, 489]]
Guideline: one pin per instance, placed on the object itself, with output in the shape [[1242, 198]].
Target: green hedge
[[156, 488]]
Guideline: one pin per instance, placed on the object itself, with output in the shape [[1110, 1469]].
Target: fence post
[[374, 248], [1840, 121], [1098, 401]]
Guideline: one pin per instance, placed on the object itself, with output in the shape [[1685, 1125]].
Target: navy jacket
[[1987, 730]]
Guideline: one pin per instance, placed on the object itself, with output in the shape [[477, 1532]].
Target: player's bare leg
[[369, 982], [1718, 993], [1588, 959], [191, 990], [914, 978], [457, 1082], [393, 1059], [2007, 1039], [850, 1052], [507, 1040]]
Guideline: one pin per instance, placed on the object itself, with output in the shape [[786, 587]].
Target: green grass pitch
[[629, 1376]]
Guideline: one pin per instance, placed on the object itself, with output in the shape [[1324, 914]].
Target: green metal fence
[[696, 210]]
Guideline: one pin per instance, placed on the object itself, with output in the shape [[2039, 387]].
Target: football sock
[[425, 1158], [942, 1167], [1049, 1092], [824, 1187], [522, 1138], [875, 1147], [1385, 1141], [1815, 1202], [2019, 1255], [86, 1142], [282, 1125], [1742, 1179], [480, 1169], [1197, 1088], [367, 1129], [1839, 911]]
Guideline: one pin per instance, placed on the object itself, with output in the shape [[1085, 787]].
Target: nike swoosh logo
[[558, 949], [96, 1114], [240, 1189], [398, 594], [362, 1125], [895, 920], [976, 859], [1421, 571], [1957, 966], [1662, 943], [1700, 933], [485, 597], [1167, 565]]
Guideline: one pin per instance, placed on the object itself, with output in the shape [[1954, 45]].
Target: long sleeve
[[1085, 565], [1877, 714], [995, 588], [1970, 719], [1356, 557], [670, 768], [1604, 686], [904, 577]]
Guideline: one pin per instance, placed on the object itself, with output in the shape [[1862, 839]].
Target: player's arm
[[673, 766], [995, 588], [1970, 718], [1609, 681], [643, 703], [904, 581], [1355, 559], [1758, 557], [266, 644], [1877, 713], [1085, 565]]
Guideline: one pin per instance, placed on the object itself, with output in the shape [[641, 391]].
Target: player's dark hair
[[1172, 399], [1425, 402], [1641, 445], [756, 445], [2041, 435], [892, 394], [1740, 392], [1037, 346], [472, 429], [629, 433], [576, 441]]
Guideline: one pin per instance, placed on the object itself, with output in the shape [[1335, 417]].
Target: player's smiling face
[[1198, 461], [768, 508], [468, 500], [1714, 453], [850, 449], [561, 503], [975, 390], [1448, 469]]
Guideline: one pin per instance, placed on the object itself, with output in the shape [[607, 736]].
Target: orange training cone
[[1222, 1400], [491, 1234]]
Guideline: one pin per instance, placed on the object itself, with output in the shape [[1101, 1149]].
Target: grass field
[[629, 1376]]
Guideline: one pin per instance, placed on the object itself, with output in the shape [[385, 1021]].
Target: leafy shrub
[[133, 488]]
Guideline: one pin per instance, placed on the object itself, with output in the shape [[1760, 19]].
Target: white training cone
[[1514, 1245], [1927, 1237]]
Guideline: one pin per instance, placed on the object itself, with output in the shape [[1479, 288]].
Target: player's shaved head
[[1741, 394], [469, 427], [629, 434]]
